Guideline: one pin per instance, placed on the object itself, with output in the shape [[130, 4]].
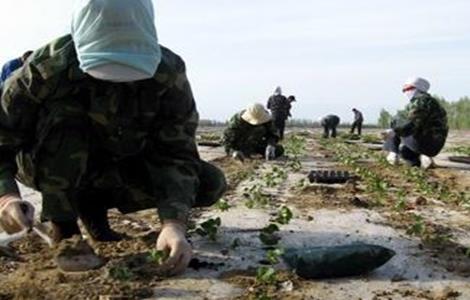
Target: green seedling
[[235, 244], [274, 255], [121, 273], [222, 205], [209, 228], [418, 228], [268, 235], [301, 184], [295, 145], [400, 205], [284, 216], [463, 150], [294, 164], [157, 257], [255, 196], [275, 177], [266, 275], [263, 296], [371, 138]]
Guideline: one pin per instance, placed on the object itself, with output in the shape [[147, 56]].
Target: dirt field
[[423, 216]]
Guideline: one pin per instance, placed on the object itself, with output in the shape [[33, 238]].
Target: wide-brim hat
[[256, 114]]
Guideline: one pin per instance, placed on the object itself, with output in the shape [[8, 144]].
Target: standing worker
[[329, 124], [105, 118], [280, 107], [358, 120], [251, 132], [424, 132]]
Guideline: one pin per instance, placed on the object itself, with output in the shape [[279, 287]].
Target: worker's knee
[[212, 187]]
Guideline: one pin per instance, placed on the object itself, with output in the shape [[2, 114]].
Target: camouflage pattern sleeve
[[417, 111], [174, 158], [21, 97], [232, 134]]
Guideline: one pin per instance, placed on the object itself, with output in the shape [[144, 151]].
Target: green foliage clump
[[209, 228]]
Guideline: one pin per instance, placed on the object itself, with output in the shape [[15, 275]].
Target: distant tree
[[385, 119]]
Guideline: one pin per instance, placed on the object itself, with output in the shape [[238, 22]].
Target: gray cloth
[[392, 144]]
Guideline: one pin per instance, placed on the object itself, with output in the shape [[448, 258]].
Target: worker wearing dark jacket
[[329, 124], [357, 123], [280, 107], [424, 132], [250, 132], [104, 118]]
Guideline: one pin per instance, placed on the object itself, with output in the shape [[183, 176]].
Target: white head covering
[[256, 114], [116, 39], [419, 83], [278, 91]]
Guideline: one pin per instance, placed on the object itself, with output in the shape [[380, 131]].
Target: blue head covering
[[116, 32]]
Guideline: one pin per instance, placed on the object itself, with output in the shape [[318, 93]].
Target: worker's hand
[[172, 240], [16, 215], [238, 155], [270, 152]]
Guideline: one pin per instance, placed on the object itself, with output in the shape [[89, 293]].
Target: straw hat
[[256, 114]]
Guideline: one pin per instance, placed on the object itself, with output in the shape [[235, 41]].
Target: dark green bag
[[339, 261]]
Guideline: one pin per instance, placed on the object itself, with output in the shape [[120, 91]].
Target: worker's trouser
[[329, 131], [277, 153], [280, 125], [405, 146], [356, 124], [66, 178]]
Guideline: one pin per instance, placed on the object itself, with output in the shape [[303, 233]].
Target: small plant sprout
[[284, 216], [235, 244], [274, 255], [209, 228], [157, 256], [268, 235], [255, 196], [400, 205], [121, 273], [418, 228], [222, 205], [266, 275]]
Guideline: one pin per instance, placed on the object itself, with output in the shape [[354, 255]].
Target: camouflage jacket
[[280, 107], [157, 114], [250, 139], [427, 123]]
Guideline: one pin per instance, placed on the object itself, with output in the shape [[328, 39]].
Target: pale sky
[[332, 55]]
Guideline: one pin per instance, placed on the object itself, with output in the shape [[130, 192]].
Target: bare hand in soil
[[16, 215], [75, 255], [172, 240]]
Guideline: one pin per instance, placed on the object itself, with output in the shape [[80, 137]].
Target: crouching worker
[[105, 118], [251, 132], [329, 124], [423, 133]]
